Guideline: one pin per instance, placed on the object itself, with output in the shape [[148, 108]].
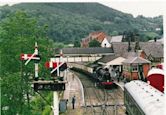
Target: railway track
[[100, 101]]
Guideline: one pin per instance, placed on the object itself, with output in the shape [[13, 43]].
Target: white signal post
[[36, 64], [58, 73], [62, 60], [59, 63], [55, 93]]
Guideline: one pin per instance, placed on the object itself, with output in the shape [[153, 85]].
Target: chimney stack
[[155, 39], [129, 47]]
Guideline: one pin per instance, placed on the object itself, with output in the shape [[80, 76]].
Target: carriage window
[[134, 68]]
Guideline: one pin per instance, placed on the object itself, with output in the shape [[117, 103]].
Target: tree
[[77, 43], [114, 33], [137, 46], [94, 43], [131, 36], [18, 32]]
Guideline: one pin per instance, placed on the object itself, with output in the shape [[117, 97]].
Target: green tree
[[77, 43], [18, 33], [94, 43], [114, 33], [70, 21]]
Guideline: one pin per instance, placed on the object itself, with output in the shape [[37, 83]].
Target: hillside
[[68, 22]]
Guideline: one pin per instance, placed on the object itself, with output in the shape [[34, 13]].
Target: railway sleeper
[[103, 105]]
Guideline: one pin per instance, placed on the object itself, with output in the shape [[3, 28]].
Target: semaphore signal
[[49, 85], [35, 56], [27, 56]]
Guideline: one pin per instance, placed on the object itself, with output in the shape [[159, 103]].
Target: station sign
[[49, 87]]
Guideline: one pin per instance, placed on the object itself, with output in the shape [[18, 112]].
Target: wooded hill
[[68, 22]]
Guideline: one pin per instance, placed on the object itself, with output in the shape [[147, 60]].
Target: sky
[[147, 8]]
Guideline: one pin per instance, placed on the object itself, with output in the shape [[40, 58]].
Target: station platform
[[120, 84], [73, 88]]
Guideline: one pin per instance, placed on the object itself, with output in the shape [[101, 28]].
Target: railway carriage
[[140, 98], [99, 75]]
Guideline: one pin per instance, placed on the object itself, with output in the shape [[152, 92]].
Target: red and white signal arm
[[27, 56], [51, 64]]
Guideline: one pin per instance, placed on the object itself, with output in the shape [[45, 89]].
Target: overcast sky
[[147, 8]]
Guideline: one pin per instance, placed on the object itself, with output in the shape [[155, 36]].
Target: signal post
[[55, 84]]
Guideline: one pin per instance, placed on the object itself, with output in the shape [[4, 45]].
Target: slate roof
[[153, 48], [135, 60], [156, 49], [117, 38], [107, 58], [87, 51]]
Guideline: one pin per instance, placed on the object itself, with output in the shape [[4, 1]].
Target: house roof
[[109, 38], [135, 60], [116, 38], [99, 36], [87, 51], [156, 49], [150, 48]]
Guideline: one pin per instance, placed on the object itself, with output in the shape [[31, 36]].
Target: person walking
[[73, 77], [73, 101]]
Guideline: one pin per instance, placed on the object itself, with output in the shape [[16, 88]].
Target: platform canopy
[[136, 60], [116, 61]]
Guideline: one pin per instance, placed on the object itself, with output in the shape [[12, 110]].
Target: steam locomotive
[[100, 76]]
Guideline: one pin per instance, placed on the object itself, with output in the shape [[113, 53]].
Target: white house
[[106, 42]]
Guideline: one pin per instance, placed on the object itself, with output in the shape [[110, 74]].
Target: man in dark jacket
[[73, 101]]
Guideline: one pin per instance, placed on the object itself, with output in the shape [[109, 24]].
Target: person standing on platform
[[73, 77], [73, 101]]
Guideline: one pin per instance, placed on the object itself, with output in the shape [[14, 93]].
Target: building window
[[124, 67], [134, 68]]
